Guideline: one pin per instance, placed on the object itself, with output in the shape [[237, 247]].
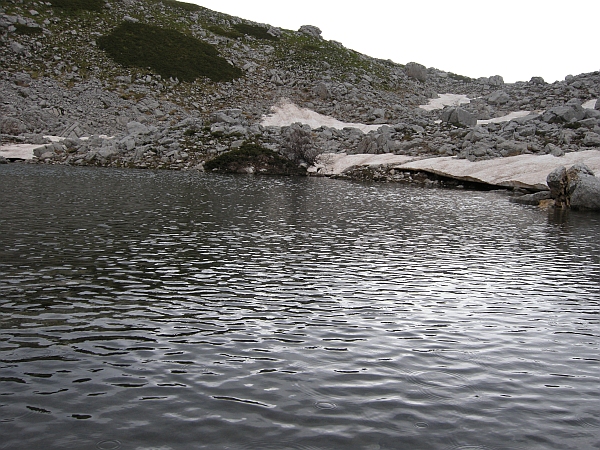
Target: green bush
[[223, 32], [78, 5], [255, 31], [263, 160], [25, 30], [168, 52]]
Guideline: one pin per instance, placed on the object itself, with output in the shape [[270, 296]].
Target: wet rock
[[532, 199], [577, 187]]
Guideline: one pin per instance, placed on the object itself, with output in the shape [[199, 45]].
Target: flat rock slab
[[525, 171], [18, 151]]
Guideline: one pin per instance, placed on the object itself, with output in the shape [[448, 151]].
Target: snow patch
[[590, 104], [444, 100], [286, 113], [506, 118]]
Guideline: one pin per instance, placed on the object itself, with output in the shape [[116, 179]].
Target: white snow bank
[[18, 151], [286, 113], [590, 104], [506, 118], [446, 100]]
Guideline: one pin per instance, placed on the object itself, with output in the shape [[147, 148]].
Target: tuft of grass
[[263, 160], [168, 52], [78, 5]]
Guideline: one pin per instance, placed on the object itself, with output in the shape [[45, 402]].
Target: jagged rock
[[531, 199], [17, 48], [577, 187], [591, 139], [459, 116], [137, 128], [12, 126], [537, 80], [310, 30], [416, 71], [322, 91], [597, 104], [496, 80], [564, 114]]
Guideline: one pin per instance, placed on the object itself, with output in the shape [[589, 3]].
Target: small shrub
[[78, 5], [255, 31], [460, 77], [232, 34], [263, 160], [168, 52], [25, 30]]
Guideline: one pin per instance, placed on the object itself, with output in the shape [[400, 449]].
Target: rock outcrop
[[576, 187]]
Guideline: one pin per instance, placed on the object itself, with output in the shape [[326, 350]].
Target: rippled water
[[161, 310]]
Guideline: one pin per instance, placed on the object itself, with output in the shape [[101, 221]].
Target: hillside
[[166, 84]]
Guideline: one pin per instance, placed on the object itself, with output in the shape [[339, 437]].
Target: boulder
[[591, 139], [496, 80], [310, 30], [577, 187], [12, 126], [564, 114], [597, 104], [416, 71], [537, 80], [458, 116], [499, 98]]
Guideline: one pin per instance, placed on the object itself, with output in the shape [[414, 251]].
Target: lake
[[179, 310]]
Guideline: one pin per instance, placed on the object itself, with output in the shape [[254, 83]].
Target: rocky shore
[[57, 81]]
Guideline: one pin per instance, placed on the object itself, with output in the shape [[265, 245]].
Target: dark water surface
[[145, 310]]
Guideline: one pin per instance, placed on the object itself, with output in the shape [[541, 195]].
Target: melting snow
[[285, 114], [446, 100]]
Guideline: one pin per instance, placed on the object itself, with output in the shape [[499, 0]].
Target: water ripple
[[176, 310]]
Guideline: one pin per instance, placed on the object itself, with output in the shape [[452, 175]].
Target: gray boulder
[[577, 187], [310, 30], [458, 116], [416, 71], [537, 80], [496, 80], [591, 139], [499, 98], [583, 188], [564, 114], [597, 104]]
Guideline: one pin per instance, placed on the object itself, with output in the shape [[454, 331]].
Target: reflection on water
[[172, 310]]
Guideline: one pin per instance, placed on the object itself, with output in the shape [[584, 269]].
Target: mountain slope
[[176, 83]]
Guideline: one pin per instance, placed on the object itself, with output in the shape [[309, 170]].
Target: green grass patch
[[168, 52], [191, 7], [78, 5], [27, 31], [255, 31], [262, 160], [232, 34]]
